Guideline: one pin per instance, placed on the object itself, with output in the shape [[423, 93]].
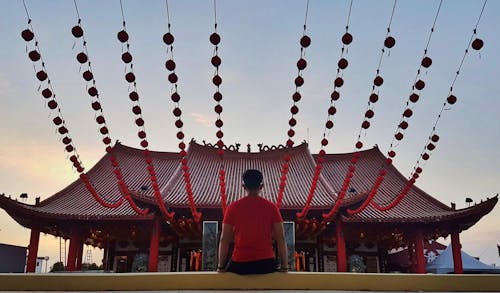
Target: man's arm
[[279, 236], [225, 240]]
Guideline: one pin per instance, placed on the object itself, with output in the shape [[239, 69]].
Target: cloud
[[201, 119]]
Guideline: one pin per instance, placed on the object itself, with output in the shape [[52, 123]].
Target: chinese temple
[[357, 242]]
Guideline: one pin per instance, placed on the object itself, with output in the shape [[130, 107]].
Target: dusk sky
[[259, 51]]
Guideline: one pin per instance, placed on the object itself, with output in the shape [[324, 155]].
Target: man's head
[[252, 180]]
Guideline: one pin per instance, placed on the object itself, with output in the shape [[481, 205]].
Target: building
[[346, 242], [13, 258]]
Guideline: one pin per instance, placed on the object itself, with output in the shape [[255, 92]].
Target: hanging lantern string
[[342, 65], [88, 76], [305, 41], [170, 65], [433, 138], [417, 85], [59, 121], [217, 81], [127, 58], [389, 42]]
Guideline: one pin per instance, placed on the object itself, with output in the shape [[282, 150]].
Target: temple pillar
[[154, 245], [33, 250], [79, 255], [419, 253], [75, 244], [341, 251], [456, 248]]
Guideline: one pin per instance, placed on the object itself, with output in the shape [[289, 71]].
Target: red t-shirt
[[252, 218]]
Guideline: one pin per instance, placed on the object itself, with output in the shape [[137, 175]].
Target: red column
[[341, 253], [79, 255], [456, 248], [33, 250], [74, 244], [153, 246], [419, 253]]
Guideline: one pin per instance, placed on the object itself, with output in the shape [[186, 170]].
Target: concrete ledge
[[229, 281]]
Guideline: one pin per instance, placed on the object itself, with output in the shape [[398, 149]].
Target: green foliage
[[57, 267]]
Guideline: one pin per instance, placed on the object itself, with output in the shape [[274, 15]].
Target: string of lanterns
[[417, 86], [339, 81], [48, 93], [217, 81], [170, 65], [305, 41], [389, 43], [476, 44], [127, 58], [88, 75]]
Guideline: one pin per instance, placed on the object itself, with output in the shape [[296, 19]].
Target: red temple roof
[[75, 202]]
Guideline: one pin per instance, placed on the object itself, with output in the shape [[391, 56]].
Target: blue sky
[[259, 50]]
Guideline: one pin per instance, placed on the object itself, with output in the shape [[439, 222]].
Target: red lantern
[[289, 143], [398, 136], [332, 110], [329, 124], [34, 56], [347, 38], [477, 44], [305, 41], [218, 109], [292, 122], [426, 62], [106, 140], [62, 130], [389, 42], [415, 175], [301, 64], [92, 91], [296, 97], [168, 38], [373, 98], [215, 39], [130, 77], [339, 82], [77, 31], [139, 122], [414, 97], [291, 133], [369, 114], [134, 96], [41, 75], [47, 93], [73, 159], [122, 36], [365, 124], [359, 145], [141, 134], [127, 57], [182, 145], [144, 143], [136, 110], [172, 77], [220, 143], [52, 104], [403, 125], [324, 142], [104, 130], [100, 119], [388, 161], [66, 140], [216, 61], [425, 156], [420, 84], [217, 80], [451, 99], [408, 113], [217, 96], [96, 106], [342, 64], [435, 138], [109, 149], [177, 112], [392, 154], [57, 120], [294, 109], [179, 123], [82, 57], [335, 95], [431, 146], [378, 81], [180, 135], [27, 35], [418, 170], [88, 76], [299, 81]]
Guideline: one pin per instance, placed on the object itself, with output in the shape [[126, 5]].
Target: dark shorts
[[263, 266]]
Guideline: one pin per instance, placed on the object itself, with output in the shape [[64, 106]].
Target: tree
[[57, 267]]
